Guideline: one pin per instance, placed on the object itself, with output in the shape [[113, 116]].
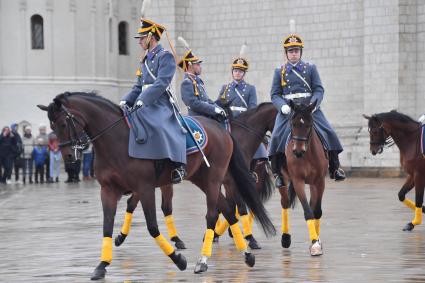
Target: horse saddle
[[198, 133]]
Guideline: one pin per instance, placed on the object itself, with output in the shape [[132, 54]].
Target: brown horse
[[249, 130], [74, 116], [393, 127], [306, 164]]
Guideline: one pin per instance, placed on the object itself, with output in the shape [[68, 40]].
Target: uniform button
[[289, 86]]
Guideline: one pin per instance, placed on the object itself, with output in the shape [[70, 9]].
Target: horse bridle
[[384, 138], [304, 139]]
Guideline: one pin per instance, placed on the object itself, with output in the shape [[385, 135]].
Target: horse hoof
[[216, 237], [250, 259], [120, 239], [178, 243], [253, 244], [409, 227], [316, 249], [100, 271], [286, 240], [179, 260], [200, 267]]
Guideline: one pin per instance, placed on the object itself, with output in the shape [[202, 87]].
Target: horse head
[[69, 128], [301, 126], [379, 137]]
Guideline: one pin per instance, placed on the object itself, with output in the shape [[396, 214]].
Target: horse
[[262, 120], [306, 164], [77, 117], [388, 128]]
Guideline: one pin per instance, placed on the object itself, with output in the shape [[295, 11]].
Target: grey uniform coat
[[165, 137], [294, 84], [240, 96], [195, 97]]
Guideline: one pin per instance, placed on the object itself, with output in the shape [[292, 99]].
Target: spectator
[[7, 153], [28, 145], [43, 135], [87, 162], [19, 150], [55, 158], [39, 154]]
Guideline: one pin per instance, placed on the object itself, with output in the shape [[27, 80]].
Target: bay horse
[[306, 164], [392, 127], [249, 130], [76, 116]]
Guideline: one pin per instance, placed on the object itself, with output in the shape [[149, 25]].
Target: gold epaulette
[[223, 96], [138, 72], [282, 78], [194, 86]]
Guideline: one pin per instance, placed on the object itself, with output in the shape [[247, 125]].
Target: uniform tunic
[[293, 84], [165, 137]]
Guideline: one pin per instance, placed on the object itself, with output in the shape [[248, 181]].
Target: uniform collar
[[298, 66], [241, 83], [193, 77], [154, 51]]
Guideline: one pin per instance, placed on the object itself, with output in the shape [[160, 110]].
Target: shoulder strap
[[282, 75], [195, 88], [241, 98], [301, 78], [223, 95]]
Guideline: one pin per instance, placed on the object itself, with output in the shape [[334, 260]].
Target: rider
[[299, 81], [193, 90], [154, 116], [240, 97]]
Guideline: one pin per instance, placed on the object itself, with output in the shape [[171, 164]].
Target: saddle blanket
[[423, 141], [199, 134]]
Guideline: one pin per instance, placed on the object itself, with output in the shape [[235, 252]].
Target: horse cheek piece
[[307, 164], [388, 128], [113, 165]]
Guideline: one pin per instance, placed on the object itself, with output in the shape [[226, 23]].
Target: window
[[122, 38], [37, 37]]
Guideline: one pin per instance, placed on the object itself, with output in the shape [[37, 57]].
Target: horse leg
[[109, 203], [284, 201], [316, 195], [147, 198], [419, 198], [315, 248], [245, 219], [229, 215], [167, 209], [222, 225], [125, 229], [407, 186]]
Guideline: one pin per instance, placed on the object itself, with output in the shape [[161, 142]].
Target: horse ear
[[366, 117], [42, 107]]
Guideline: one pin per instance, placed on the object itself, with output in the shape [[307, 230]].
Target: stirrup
[[178, 175], [339, 175], [279, 182]]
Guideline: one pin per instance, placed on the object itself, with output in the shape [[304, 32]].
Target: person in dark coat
[[299, 81], [8, 144], [18, 161]]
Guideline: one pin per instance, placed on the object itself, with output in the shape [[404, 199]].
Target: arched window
[[122, 38], [37, 36]]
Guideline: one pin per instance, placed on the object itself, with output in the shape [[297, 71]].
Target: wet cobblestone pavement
[[53, 233]]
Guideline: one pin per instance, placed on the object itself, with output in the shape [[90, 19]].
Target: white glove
[[422, 119], [220, 111], [123, 103], [285, 109], [139, 103]]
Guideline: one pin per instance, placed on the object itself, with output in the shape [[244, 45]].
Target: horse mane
[[394, 115], [91, 96], [249, 112]]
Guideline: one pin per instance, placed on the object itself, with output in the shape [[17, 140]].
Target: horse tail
[[265, 179], [292, 195], [246, 189]]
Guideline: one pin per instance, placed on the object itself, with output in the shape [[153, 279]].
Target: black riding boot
[[278, 161], [335, 172], [179, 173]]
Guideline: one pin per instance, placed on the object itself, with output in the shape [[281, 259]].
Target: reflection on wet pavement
[[53, 233]]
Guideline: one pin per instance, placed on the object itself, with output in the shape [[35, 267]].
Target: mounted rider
[[240, 96], [193, 92], [155, 133], [299, 81]]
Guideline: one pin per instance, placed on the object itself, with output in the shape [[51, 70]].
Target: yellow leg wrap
[[164, 245], [237, 214], [222, 227], [171, 228], [312, 229], [207, 246], [106, 250], [251, 218], [238, 238], [317, 226], [246, 225], [127, 223], [418, 216], [285, 220], [218, 223], [410, 204]]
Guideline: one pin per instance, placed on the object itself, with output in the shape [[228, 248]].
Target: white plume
[[243, 50], [184, 42], [145, 6], [291, 26]]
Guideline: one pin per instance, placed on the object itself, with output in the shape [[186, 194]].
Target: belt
[[237, 108], [297, 95], [146, 86]]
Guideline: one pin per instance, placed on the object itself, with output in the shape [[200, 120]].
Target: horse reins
[[249, 129]]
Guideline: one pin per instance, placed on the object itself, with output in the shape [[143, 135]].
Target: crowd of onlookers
[[37, 159]]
